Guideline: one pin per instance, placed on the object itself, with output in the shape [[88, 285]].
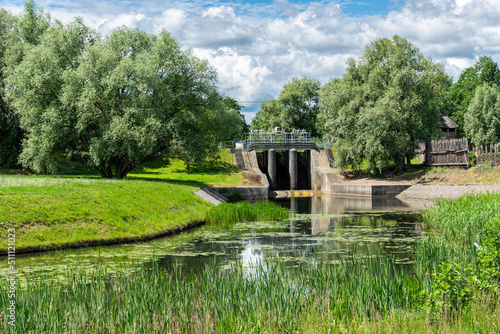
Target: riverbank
[[81, 209], [431, 183], [437, 191], [421, 174], [51, 213]]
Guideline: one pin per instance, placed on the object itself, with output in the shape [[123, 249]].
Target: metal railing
[[278, 137], [259, 139]]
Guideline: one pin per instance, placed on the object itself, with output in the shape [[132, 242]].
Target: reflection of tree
[[349, 235]]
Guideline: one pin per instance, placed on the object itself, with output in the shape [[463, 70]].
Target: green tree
[[269, 116], [16, 35], [384, 105], [297, 107], [482, 119], [117, 101], [10, 133], [235, 108], [459, 96]]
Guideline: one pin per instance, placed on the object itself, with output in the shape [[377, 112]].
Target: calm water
[[331, 228]]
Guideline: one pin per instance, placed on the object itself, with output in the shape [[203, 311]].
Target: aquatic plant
[[463, 219], [239, 299], [460, 257], [228, 213]]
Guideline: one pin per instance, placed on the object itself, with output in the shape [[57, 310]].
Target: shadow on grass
[[415, 172], [161, 169], [191, 183], [212, 167], [13, 172]]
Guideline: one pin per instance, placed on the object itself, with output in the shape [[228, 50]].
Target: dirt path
[[436, 191]]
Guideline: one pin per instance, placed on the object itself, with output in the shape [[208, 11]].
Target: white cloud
[[256, 49]]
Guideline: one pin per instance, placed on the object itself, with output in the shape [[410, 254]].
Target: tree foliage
[[297, 107], [240, 125], [17, 34], [10, 134], [482, 119], [459, 96], [116, 101], [385, 104]]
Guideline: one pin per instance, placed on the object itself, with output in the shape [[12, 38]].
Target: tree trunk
[[118, 168], [102, 172], [400, 163], [109, 172], [408, 162]]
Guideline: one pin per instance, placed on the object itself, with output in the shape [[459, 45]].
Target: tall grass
[[454, 226], [227, 213], [373, 295], [267, 298], [463, 219], [458, 258]]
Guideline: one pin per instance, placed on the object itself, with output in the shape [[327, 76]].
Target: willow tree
[[384, 105], [117, 101], [296, 107], [482, 119], [17, 34]]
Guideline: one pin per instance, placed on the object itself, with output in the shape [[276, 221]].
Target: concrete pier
[[271, 167], [292, 169]]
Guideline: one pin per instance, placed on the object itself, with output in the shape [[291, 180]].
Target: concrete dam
[[278, 163]]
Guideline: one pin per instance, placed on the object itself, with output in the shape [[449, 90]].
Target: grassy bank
[[435, 175], [49, 212], [79, 208]]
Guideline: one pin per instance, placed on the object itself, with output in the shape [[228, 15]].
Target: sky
[[258, 46]]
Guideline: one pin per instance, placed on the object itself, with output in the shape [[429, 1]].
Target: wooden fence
[[487, 154], [447, 152]]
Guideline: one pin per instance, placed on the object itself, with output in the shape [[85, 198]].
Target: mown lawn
[[80, 208], [51, 212]]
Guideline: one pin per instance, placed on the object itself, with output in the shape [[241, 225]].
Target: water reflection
[[306, 238], [333, 228], [342, 204]]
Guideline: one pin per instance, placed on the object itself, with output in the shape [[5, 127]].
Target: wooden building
[[448, 127]]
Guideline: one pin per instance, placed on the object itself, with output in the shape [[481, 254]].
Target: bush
[[472, 158], [453, 287]]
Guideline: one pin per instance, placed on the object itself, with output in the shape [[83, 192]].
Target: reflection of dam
[[332, 205], [340, 204]]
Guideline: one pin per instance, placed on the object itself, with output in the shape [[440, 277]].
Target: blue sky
[[258, 46]]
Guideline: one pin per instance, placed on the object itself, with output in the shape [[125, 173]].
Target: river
[[327, 227]]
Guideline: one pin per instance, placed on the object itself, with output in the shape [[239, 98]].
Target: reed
[[455, 228], [269, 297], [463, 219], [357, 296], [228, 213]]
